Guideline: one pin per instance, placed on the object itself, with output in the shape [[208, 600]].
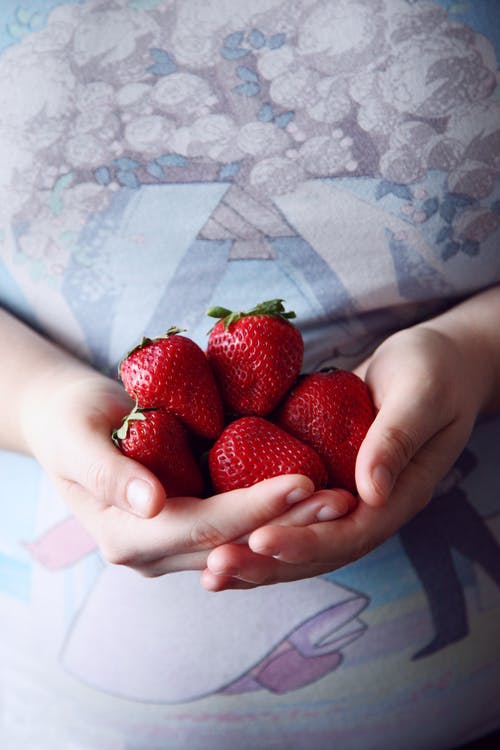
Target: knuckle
[[98, 480], [205, 535], [401, 443]]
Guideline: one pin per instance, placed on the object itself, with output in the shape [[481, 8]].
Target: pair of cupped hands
[[427, 395]]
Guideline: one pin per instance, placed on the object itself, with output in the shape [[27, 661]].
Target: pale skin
[[429, 384]]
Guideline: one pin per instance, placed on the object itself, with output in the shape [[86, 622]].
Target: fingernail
[[383, 480], [139, 495], [327, 514], [297, 495]]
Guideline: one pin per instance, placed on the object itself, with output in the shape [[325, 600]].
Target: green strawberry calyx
[[137, 414], [146, 341], [270, 308]]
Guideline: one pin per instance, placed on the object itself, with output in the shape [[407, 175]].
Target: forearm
[[474, 326], [32, 367]]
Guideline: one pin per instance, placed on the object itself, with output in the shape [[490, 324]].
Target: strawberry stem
[[272, 307], [172, 331]]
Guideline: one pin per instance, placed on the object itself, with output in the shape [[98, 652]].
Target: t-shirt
[[158, 157]]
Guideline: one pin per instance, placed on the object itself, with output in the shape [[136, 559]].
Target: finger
[[237, 560], [258, 562], [214, 583], [120, 538], [186, 524], [325, 505], [324, 546], [170, 564], [288, 544], [233, 562], [231, 515], [117, 532], [247, 569], [116, 540], [97, 465], [89, 457], [334, 543], [402, 426]]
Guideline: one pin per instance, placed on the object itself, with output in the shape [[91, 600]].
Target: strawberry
[[159, 441], [256, 356], [251, 449], [173, 372], [331, 411]]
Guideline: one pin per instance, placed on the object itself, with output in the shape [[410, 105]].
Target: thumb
[[401, 427], [98, 466]]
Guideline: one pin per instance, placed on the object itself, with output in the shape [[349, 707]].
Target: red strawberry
[[256, 356], [330, 411], [159, 441], [173, 372], [251, 449]]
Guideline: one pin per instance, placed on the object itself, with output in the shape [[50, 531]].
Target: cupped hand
[[68, 424], [428, 390]]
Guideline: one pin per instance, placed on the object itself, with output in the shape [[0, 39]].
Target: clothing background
[[159, 157]]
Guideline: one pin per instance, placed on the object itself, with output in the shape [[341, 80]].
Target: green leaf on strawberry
[[121, 432], [272, 307]]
